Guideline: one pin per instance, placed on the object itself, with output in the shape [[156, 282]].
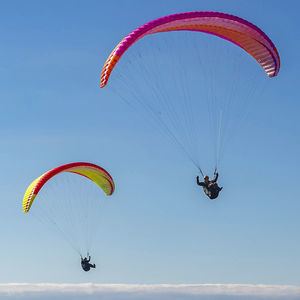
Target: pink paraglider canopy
[[229, 27]]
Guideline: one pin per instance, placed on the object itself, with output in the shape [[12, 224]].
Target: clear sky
[[158, 227]]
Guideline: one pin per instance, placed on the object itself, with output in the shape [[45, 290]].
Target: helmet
[[206, 177]]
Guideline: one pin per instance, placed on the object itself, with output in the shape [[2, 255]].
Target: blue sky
[[158, 227]]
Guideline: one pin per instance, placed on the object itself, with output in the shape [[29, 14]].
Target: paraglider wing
[[91, 171], [229, 27]]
